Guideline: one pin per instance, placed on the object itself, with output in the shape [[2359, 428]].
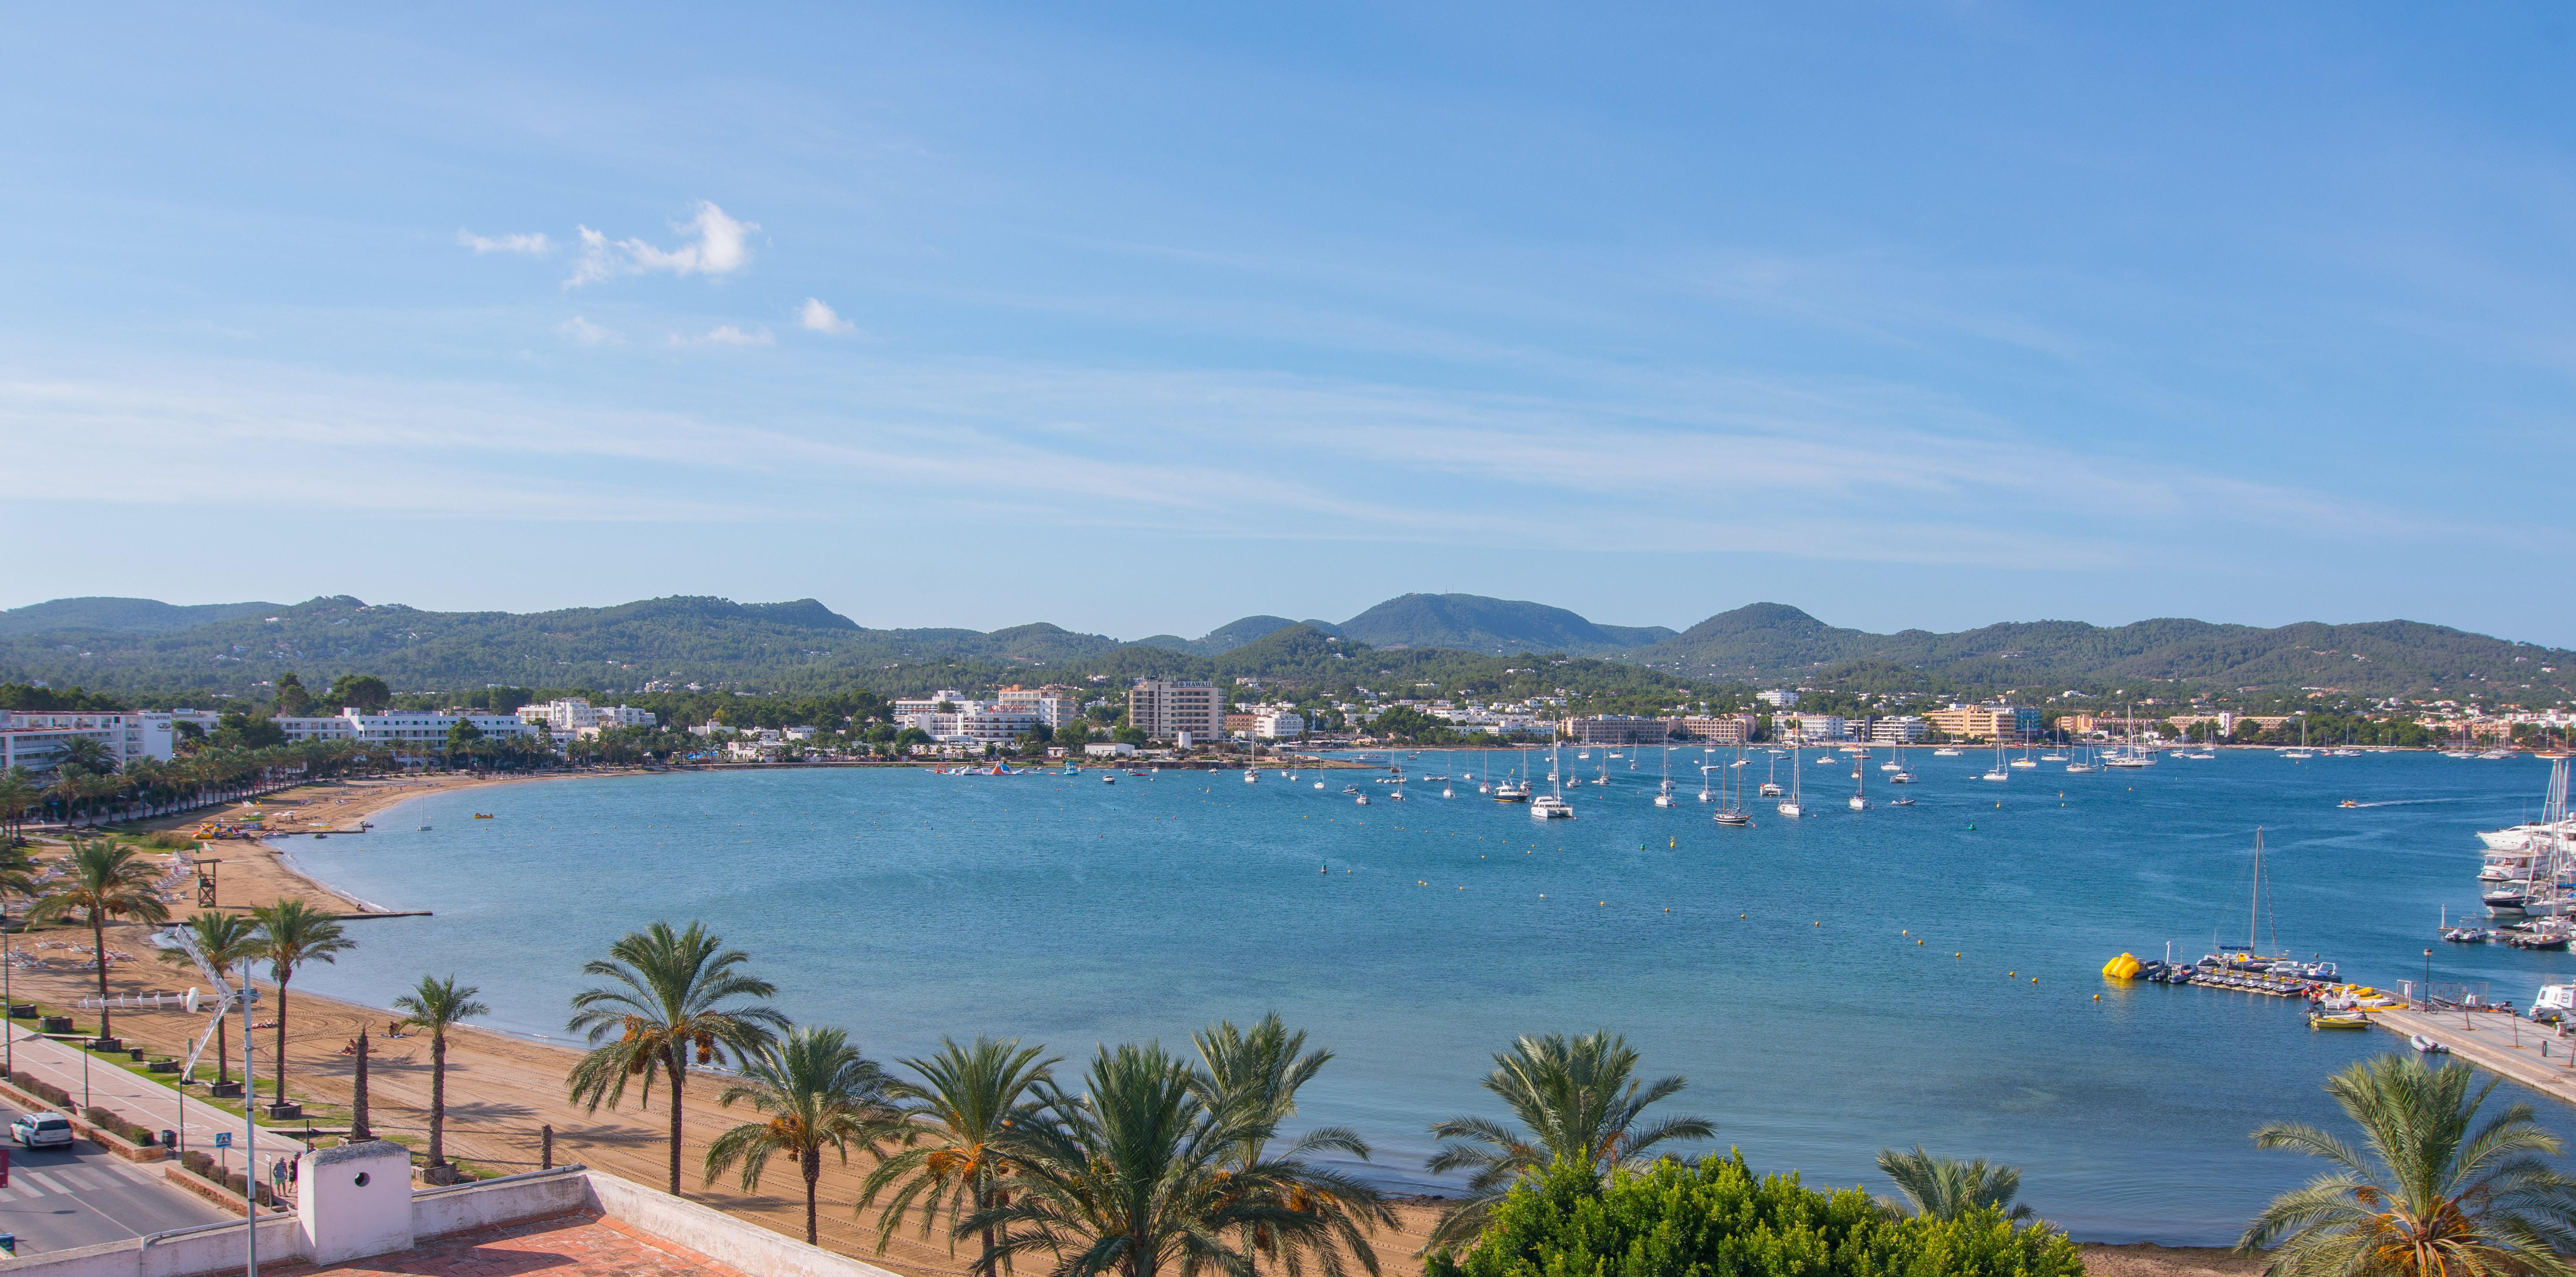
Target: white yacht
[[1945, 752], [1551, 806], [1791, 806]]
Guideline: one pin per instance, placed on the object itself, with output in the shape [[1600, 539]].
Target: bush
[[1713, 1217], [46, 1091]]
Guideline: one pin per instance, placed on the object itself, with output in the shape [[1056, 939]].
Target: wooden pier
[[2505, 1045]]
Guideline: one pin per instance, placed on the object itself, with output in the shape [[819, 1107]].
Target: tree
[[1253, 1078], [819, 1093], [105, 880], [293, 700], [1947, 1188], [292, 933], [2437, 1191], [952, 1160], [1715, 1216], [675, 992], [19, 793], [438, 1005], [1577, 1104], [462, 736], [238, 730], [364, 693], [229, 940], [88, 753], [1133, 1177]]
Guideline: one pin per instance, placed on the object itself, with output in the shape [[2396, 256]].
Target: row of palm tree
[[91, 787]]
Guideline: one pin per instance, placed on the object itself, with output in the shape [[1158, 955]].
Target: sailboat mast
[[2254, 907]]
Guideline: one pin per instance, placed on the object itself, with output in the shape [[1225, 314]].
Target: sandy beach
[[503, 1090]]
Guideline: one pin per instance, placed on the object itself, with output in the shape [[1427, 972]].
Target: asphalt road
[[62, 1198]]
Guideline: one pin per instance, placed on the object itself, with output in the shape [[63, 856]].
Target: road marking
[[84, 1177], [42, 1182]]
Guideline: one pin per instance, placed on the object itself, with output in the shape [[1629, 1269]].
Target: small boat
[[1733, 819], [1362, 800], [2426, 1045], [1109, 780], [2338, 1020], [424, 829], [1900, 802], [1319, 784], [482, 815], [1945, 752], [1770, 789], [1792, 810], [2347, 803]]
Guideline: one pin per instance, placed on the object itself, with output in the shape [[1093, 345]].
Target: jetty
[[2534, 1055]]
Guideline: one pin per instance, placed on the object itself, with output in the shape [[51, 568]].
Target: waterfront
[[907, 905]]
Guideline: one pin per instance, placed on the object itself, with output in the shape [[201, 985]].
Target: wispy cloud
[[720, 247], [533, 243], [817, 317], [727, 335], [587, 333]]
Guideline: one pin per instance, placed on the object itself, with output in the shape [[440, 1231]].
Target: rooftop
[[577, 1245]]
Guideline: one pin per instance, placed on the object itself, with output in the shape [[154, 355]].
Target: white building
[[1778, 698], [577, 717], [1054, 706], [1164, 709], [1809, 727], [1897, 729], [398, 726], [36, 739], [972, 723]]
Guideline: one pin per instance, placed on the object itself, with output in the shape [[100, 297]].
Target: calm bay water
[[1062, 910]]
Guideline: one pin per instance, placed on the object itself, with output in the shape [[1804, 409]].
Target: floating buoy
[[1918, 944], [2097, 997]]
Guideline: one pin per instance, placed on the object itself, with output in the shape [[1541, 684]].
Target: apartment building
[[1895, 729], [574, 716], [1716, 729], [1778, 698], [1266, 722], [1810, 727], [398, 726], [1615, 729], [1054, 706], [1163, 709], [37, 739], [1985, 722]]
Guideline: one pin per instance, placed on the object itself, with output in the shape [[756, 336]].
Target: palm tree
[[292, 933], [229, 940], [105, 879], [18, 792], [2437, 1192], [1946, 1188], [820, 1093], [675, 991], [438, 1005], [1577, 1104], [955, 1122], [1134, 1176], [1257, 1075]]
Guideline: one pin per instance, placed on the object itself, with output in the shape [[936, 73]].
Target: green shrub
[[1713, 1218]]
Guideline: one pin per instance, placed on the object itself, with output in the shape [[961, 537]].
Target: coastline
[[506, 1085]]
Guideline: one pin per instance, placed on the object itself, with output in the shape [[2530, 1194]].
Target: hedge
[[1713, 1218], [50, 1093]]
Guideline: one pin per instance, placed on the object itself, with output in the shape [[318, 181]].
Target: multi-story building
[[1054, 706], [972, 723], [1163, 709], [1985, 722], [398, 726], [1810, 727], [1616, 729], [1717, 729], [38, 739], [1265, 722], [1895, 729], [1778, 698], [577, 717]]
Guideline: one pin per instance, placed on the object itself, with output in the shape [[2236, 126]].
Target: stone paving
[[564, 1246]]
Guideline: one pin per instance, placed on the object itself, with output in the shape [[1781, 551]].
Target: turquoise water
[[906, 906]]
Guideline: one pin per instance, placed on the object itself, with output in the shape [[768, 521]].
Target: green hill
[[119, 616], [1474, 623]]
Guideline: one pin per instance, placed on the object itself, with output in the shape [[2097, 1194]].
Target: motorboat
[[1770, 789], [1945, 752], [2338, 1020], [1362, 800], [1902, 778], [1900, 802]]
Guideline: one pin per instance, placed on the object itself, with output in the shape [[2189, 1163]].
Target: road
[[61, 1198]]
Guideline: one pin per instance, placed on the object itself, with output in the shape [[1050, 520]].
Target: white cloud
[[719, 249], [820, 318], [588, 333], [726, 335], [533, 243]]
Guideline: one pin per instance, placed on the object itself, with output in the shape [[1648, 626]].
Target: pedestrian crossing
[[27, 1183]]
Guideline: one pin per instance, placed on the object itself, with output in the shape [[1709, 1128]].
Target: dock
[[2504, 1045]]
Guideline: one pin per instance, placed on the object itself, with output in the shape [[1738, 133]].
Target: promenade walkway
[[143, 1101], [2534, 1055]]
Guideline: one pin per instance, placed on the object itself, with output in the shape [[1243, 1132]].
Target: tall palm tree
[[1577, 1104], [105, 880], [292, 933], [674, 992], [1133, 1177], [819, 1093], [229, 940], [2436, 1191], [956, 1119], [1256, 1074], [1946, 1188], [438, 1005], [18, 792]]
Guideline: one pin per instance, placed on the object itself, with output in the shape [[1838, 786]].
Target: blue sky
[[1139, 319]]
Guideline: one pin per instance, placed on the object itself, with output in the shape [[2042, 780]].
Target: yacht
[[1551, 806], [1362, 800], [1997, 771], [1860, 786], [1512, 789], [1945, 752], [1250, 775], [1791, 806]]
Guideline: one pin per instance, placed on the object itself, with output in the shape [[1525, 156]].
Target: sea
[[1829, 986]]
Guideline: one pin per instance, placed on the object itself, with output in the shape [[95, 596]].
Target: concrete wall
[[187, 1253], [535, 1195], [737, 1243], [354, 1200]]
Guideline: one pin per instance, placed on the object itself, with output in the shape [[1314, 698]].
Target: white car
[[41, 1130]]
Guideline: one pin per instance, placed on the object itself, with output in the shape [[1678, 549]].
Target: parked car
[[41, 1130]]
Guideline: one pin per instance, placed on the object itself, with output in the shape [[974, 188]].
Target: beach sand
[[502, 1090]]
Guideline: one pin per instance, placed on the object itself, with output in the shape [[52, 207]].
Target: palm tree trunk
[[98, 945], [811, 1161], [283, 975], [224, 1052], [437, 1097], [679, 1069]]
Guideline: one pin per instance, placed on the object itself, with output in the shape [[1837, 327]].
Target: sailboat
[[2301, 754], [1704, 769], [1730, 810], [1791, 806], [1997, 771], [2082, 762], [2025, 762], [1771, 785], [1604, 777], [1860, 788], [1664, 791], [1486, 786], [1552, 806]]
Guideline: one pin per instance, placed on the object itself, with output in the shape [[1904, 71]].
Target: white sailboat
[[1664, 791], [1997, 772], [1771, 783], [1792, 806], [1730, 812], [1860, 788], [1552, 805], [1704, 769]]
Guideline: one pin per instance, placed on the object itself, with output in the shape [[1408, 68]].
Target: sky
[[1141, 318]]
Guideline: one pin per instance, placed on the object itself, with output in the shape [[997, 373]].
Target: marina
[[1927, 973]]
